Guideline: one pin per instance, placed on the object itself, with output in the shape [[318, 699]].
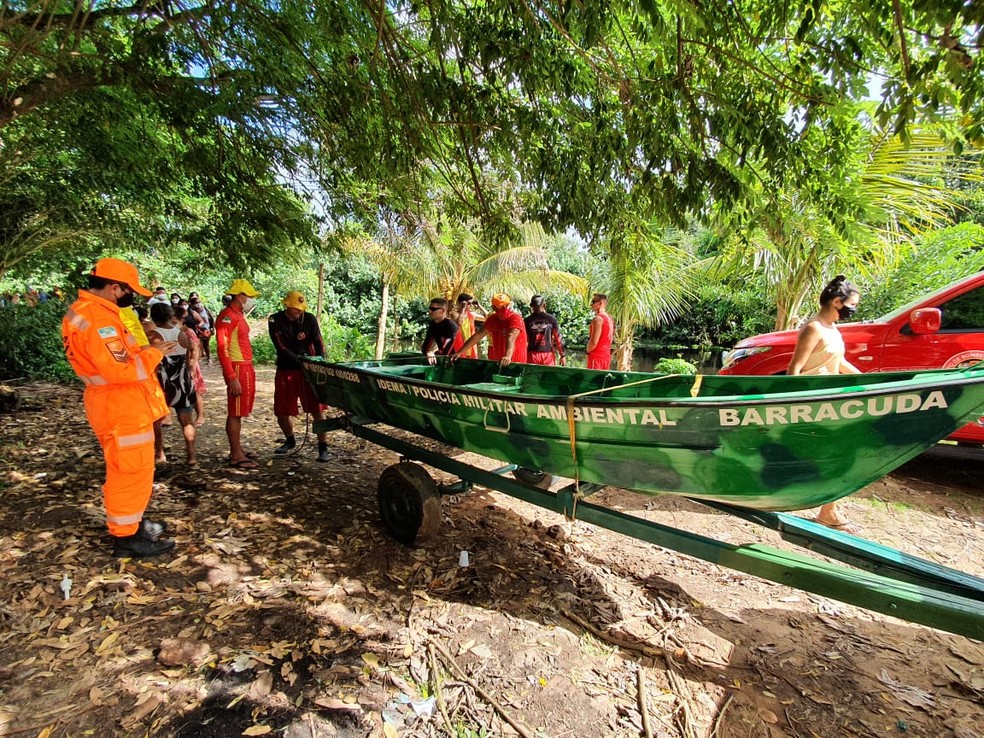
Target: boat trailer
[[882, 579]]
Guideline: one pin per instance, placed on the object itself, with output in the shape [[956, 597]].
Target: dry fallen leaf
[[261, 686], [257, 730]]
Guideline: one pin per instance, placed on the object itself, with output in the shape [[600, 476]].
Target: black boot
[[140, 545], [323, 454], [286, 447]]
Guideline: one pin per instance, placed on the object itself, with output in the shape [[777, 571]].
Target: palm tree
[[464, 262], [397, 253], [418, 258], [650, 275], [900, 193]]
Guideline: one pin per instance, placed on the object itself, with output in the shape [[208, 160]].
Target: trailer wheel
[[533, 477], [409, 503]]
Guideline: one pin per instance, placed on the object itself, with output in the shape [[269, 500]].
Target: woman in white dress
[[820, 350]]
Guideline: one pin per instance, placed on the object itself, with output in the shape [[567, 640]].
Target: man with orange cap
[[236, 357], [295, 332], [122, 401], [506, 332]]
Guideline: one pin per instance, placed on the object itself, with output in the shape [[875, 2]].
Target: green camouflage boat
[[769, 443]]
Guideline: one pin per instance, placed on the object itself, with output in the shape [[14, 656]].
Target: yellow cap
[[295, 300], [501, 300], [242, 286]]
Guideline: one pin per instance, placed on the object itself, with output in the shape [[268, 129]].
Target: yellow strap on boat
[[569, 404]]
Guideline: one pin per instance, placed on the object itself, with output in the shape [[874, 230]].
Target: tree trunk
[[321, 289], [623, 353], [381, 326]]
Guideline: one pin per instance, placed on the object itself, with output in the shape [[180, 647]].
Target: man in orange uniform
[[122, 401], [236, 357]]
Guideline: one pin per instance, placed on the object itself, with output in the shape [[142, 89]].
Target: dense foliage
[[199, 124], [30, 338]]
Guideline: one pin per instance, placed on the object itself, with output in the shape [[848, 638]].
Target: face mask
[[175, 301], [249, 304], [846, 312], [125, 301]]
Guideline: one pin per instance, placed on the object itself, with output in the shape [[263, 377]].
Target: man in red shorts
[[600, 334], [236, 357], [543, 334], [295, 333], [506, 332]]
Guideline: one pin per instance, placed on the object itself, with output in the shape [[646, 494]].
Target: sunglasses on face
[[432, 308]]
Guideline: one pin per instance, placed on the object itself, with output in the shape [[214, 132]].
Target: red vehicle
[[943, 330]]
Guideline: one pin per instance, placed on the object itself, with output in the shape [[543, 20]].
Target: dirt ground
[[287, 610]]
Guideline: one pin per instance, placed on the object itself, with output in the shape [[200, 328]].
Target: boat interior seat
[[493, 387], [409, 371]]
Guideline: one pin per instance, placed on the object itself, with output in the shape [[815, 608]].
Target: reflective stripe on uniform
[[77, 320], [94, 379], [125, 519], [135, 439], [141, 370]]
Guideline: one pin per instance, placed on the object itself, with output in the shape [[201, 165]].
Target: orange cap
[[501, 300], [118, 270]]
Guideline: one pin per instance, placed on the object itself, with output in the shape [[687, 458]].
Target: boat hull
[[779, 443]]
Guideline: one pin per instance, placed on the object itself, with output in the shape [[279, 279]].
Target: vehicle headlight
[[738, 354]]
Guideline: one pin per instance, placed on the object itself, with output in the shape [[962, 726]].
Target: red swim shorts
[[602, 361], [289, 386], [543, 358], [240, 407]]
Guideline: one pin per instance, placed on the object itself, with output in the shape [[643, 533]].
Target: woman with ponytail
[[820, 350]]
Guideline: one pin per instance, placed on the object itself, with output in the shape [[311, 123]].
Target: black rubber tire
[[409, 503], [533, 477]]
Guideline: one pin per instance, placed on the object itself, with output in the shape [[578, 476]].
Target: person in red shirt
[[236, 357], [600, 334], [506, 332]]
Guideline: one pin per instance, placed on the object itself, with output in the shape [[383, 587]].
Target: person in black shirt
[[295, 333], [443, 334], [543, 335]]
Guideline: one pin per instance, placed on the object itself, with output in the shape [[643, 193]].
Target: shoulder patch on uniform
[[118, 350], [107, 332]]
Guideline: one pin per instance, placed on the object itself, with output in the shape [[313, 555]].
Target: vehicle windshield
[[887, 317]]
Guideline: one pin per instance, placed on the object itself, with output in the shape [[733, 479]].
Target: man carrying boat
[[506, 332], [543, 335], [443, 334]]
